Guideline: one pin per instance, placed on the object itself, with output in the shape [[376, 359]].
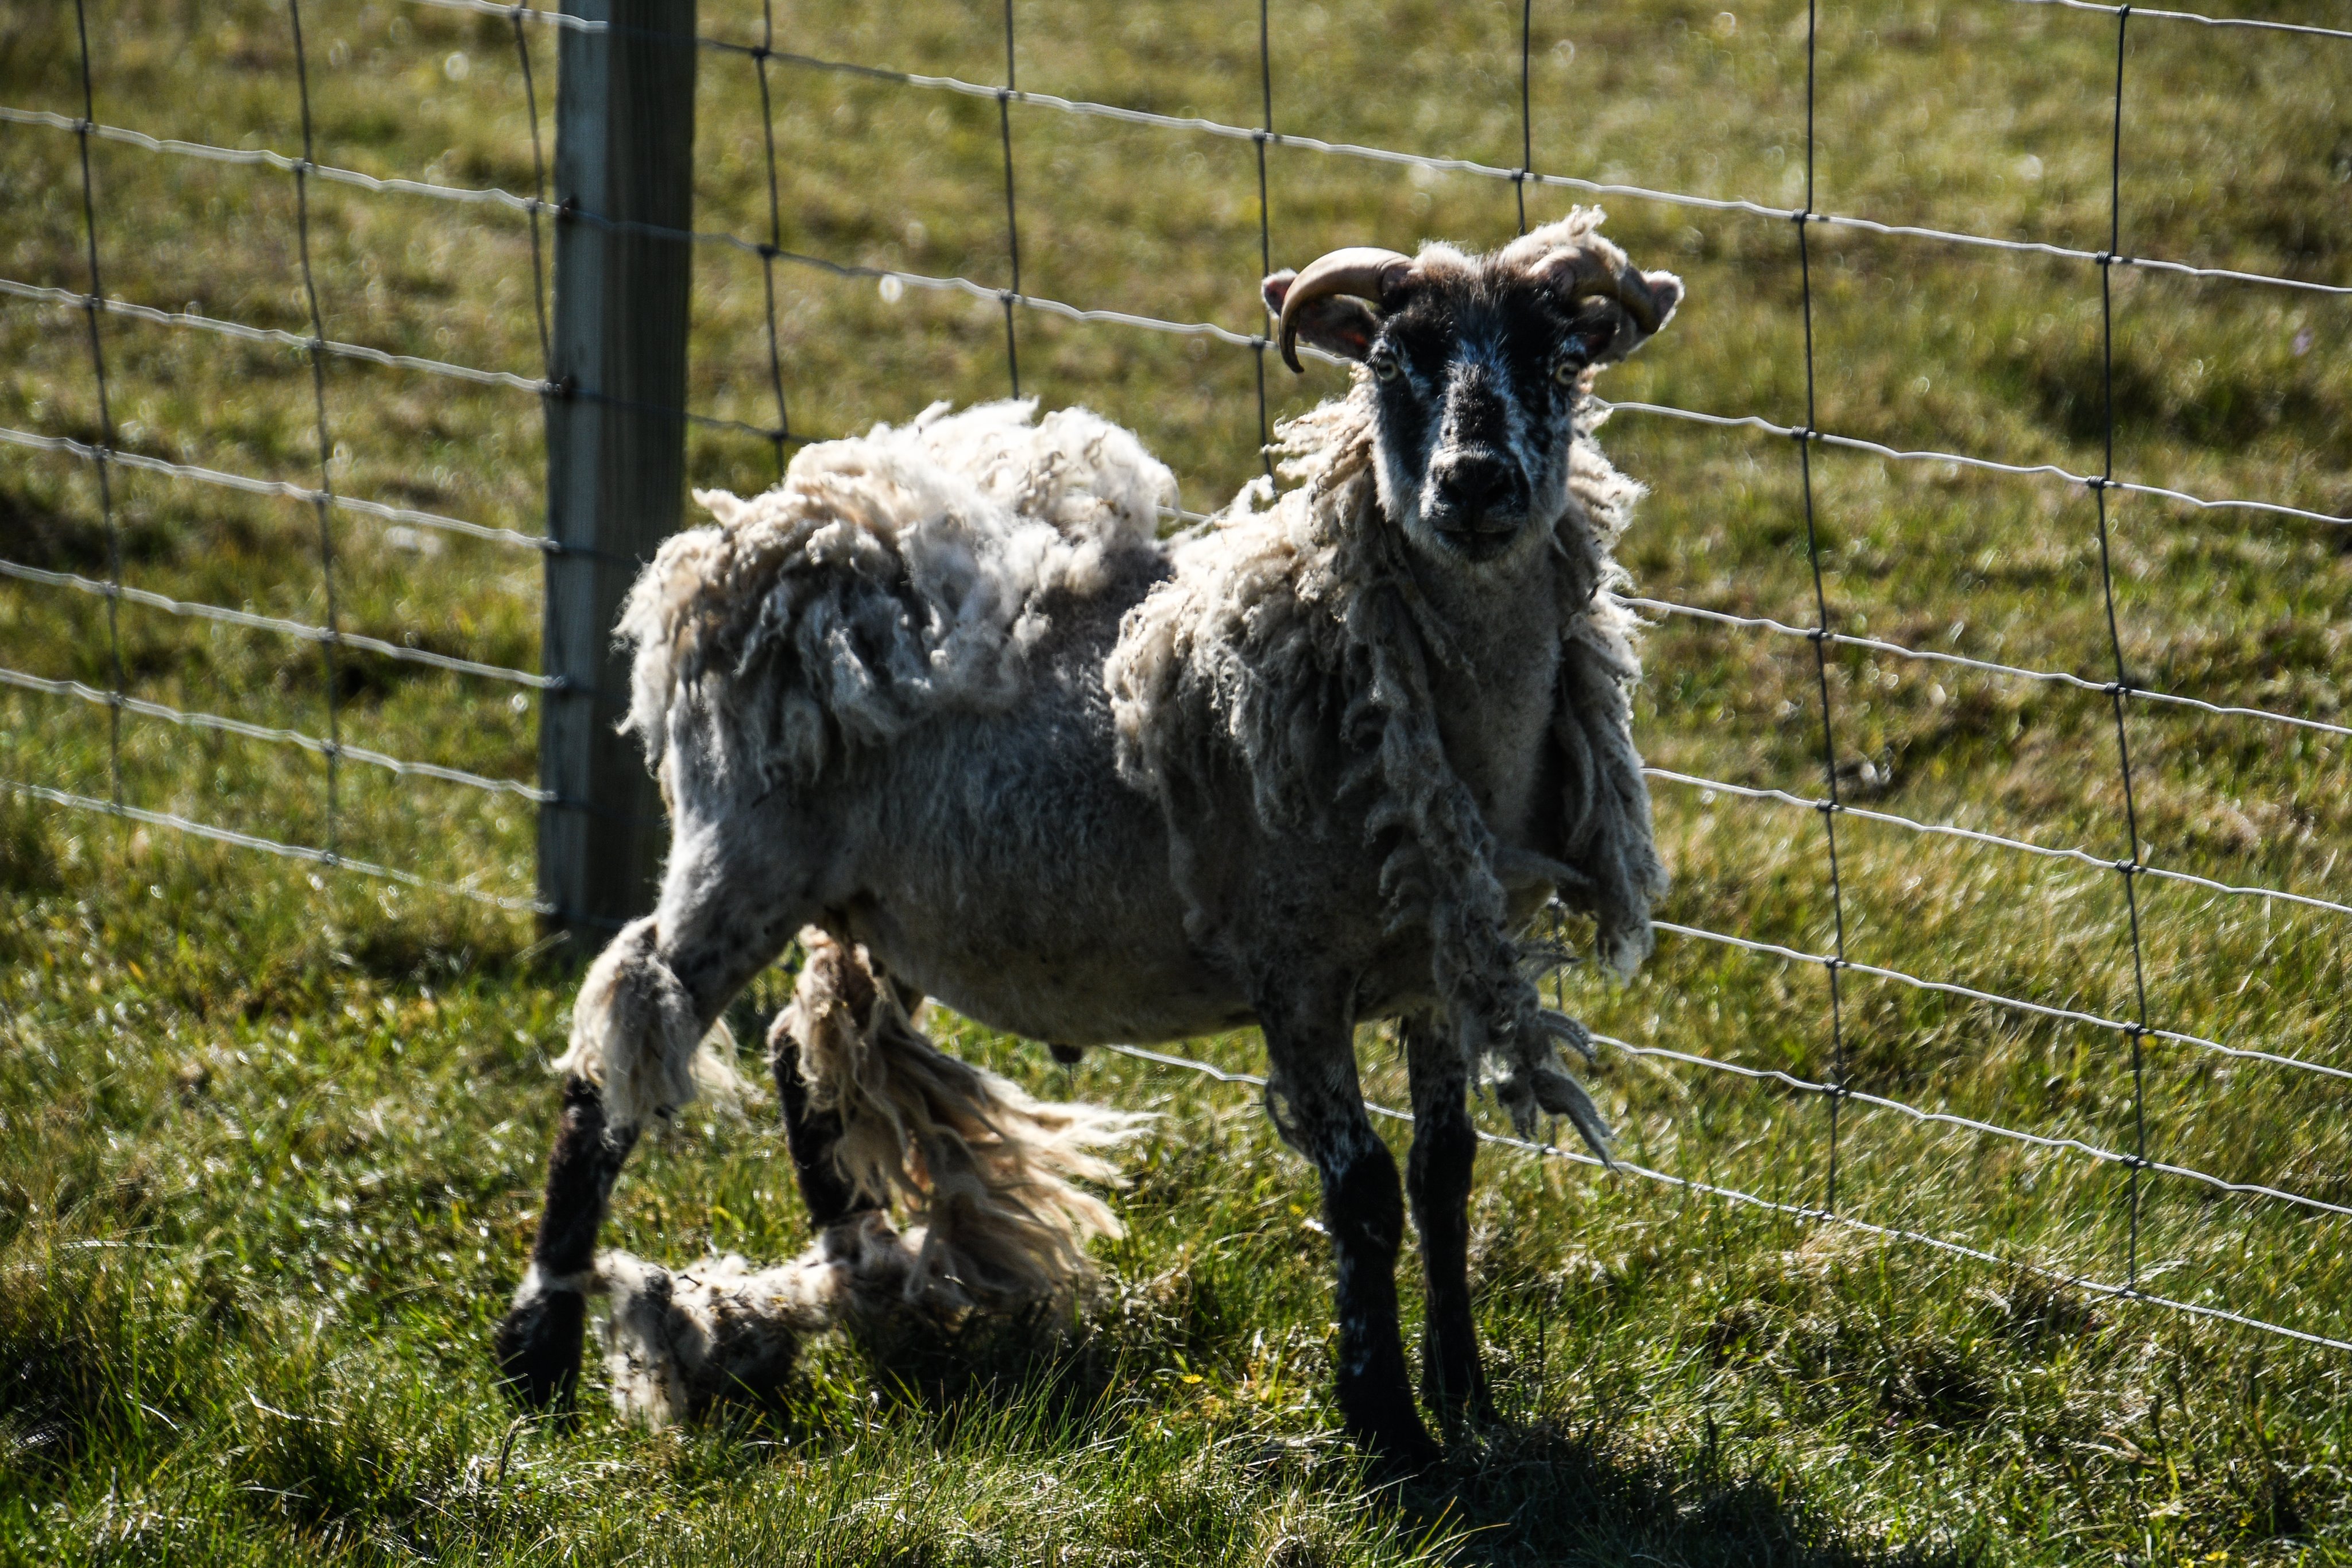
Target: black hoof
[[1394, 1460], [1395, 1445], [538, 1347]]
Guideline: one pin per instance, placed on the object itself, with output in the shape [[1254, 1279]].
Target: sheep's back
[[889, 578]]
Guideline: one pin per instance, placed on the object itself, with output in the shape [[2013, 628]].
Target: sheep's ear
[[1337, 323], [1609, 330]]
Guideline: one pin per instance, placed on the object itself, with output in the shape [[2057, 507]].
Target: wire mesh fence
[[2075, 917]]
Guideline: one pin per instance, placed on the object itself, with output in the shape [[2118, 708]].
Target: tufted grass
[[269, 1138]]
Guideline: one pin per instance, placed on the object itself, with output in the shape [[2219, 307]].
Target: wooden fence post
[[615, 436]]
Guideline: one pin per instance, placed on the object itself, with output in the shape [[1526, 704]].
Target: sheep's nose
[[1479, 493]]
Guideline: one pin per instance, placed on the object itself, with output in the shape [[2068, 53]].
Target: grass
[[270, 1135]]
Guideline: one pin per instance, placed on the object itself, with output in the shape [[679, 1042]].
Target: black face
[[1477, 380]]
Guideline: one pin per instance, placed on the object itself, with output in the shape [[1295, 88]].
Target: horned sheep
[[944, 706]]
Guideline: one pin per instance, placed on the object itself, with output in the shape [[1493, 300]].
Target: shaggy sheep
[[943, 699]]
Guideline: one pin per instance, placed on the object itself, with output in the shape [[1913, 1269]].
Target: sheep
[[943, 706]]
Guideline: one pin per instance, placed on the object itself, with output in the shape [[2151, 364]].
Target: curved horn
[[1595, 277], [1365, 272]]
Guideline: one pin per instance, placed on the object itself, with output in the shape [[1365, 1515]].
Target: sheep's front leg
[[538, 1342], [1437, 1174], [1317, 1106]]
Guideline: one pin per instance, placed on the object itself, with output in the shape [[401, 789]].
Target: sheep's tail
[[987, 1175]]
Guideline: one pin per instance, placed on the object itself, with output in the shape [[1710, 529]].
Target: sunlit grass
[[270, 1135]]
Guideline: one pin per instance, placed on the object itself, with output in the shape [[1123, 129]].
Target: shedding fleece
[[888, 577], [991, 1173], [1279, 621], [986, 1176], [676, 1342], [634, 1036]]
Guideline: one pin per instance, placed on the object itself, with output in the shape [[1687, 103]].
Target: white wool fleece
[[889, 576]]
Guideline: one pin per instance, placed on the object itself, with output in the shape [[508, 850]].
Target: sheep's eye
[[1383, 364], [1569, 364]]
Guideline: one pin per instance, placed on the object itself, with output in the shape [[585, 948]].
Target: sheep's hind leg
[[538, 1342], [813, 1135], [1437, 1174], [643, 1010], [1317, 1106]]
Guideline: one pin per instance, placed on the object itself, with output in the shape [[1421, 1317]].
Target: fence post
[[615, 437]]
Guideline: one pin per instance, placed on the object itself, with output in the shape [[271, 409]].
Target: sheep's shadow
[[1545, 1493], [1533, 1492]]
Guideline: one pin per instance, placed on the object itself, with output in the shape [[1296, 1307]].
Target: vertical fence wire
[[538, 206], [538, 195], [324, 500], [2128, 867], [105, 425], [1527, 118], [1265, 227], [776, 242], [1555, 912], [537, 254], [1012, 214], [1835, 965]]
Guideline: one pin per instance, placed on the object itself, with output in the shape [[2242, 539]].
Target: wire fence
[[2124, 856], [107, 456]]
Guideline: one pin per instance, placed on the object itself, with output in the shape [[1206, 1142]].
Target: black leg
[[1317, 1106], [647, 999], [538, 1342], [812, 1134], [1437, 1174]]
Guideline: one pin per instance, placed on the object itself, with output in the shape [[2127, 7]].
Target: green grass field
[[270, 1135]]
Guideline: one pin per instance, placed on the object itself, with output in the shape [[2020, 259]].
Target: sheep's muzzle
[[1477, 501]]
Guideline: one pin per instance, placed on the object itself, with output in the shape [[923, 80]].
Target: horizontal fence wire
[[2145, 14], [277, 336], [280, 488], [769, 250], [294, 737], [1969, 1123], [2084, 1283], [1968, 460], [304, 630], [585, 24], [1999, 840], [1994, 998], [1987, 666], [1521, 176], [326, 859], [267, 158]]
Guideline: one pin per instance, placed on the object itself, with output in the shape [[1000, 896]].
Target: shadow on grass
[[1036, 1361], [1542, 1493], [1538, 1493]]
